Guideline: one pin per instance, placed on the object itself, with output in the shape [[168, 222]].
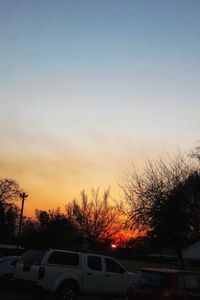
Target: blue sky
[[88, 87]]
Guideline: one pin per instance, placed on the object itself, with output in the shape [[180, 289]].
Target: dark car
[[7, 265], [160, 284]]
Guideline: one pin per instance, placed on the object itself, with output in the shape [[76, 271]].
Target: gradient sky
[[89, 87]]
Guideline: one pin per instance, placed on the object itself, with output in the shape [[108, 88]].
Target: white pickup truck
[[68, 274]]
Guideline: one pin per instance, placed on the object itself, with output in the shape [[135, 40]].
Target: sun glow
[[122, 237]]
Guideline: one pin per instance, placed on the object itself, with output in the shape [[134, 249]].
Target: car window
[[64, 258], [191, 282], [94, 263], [150, 279], [113, 266], [32, 256]]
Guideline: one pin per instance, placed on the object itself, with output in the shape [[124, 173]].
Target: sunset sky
[[88, 87]]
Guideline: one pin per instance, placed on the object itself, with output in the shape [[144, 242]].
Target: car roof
[[8, 257], [167, 271], [80, 252]]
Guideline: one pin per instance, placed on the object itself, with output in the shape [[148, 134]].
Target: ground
[[16, 294]]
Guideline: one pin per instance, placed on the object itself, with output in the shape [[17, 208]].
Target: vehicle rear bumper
[[32, 287], [27, 285]]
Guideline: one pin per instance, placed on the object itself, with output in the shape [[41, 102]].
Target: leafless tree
[[164, 200], [95, 218], [196, 152], [9, 190]]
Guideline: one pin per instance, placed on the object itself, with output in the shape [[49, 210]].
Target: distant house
[[192, 252]]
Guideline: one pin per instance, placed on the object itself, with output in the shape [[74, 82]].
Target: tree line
[[89, 223], [162, 201]]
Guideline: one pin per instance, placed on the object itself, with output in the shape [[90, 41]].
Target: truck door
[[93, 274], [116, 278]]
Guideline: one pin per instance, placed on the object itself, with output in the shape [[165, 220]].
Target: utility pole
[[22, 196]]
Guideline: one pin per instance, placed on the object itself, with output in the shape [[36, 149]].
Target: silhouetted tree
[[196, 152], [95, 218], [9, 190], [165, 201], [9, 193], [49, 229], [139, 245]]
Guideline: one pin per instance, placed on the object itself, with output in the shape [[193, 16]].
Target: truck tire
[[67, 291]]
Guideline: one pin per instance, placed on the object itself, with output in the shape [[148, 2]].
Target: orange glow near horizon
[[124, 236], [51, 178], [54, 179], [51, 183]]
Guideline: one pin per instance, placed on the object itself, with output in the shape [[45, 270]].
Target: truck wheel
[[67, 291]]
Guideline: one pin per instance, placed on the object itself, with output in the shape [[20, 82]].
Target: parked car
[[7, 266], [160, 284], [68, 274]]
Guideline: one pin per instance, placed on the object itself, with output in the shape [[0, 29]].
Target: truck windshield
[[32, 256]]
